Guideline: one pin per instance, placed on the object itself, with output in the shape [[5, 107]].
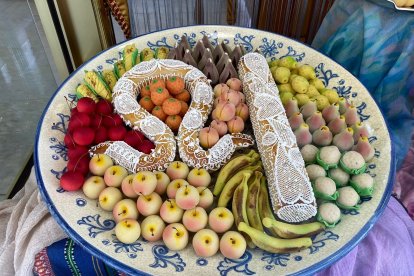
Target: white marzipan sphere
[[348, 196], [309, 153], [353, 160], [314, 171], [363, 180], [339, 176], [329, 212], [330, 154], [325, 185]]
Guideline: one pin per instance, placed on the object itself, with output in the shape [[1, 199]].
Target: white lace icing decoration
[[193, 119], [223, 145], [152, 126], [193, 75], [124, 155], [289, 186], [125, 103], [296, 212], [268, 106], [258, 64], [143, 68], [202, 93], [124, 86], [172, 63], [269, 138]]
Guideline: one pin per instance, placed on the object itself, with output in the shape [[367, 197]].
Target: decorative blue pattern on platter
[[270, 47], [281, 259], [81, 202], [240, 265], [130, 249], [324, 75], [245, 41], [95, 226], [213, 37], [58, 174], [298, 258], [60, 190], [72, 97], [350, 212], [201, 262], [293, 53], [164, 257], [372, 139], [190, 38], [344, 91], [96, 229], [360, 109], [59, 148], [274, 259], [159, 43], [111, 61], [320, 240], [61, 124], [365, 199]]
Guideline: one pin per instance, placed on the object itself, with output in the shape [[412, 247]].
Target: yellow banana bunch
[[231, 185], [252, 207], [232, 167], [239, 201], [271, 244], [290, 231], [282, 229]]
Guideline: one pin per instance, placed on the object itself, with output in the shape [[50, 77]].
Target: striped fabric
[[120, 11], [67, 258]]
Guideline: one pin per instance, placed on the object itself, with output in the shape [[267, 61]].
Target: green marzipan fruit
[[96, 83], [147, 54], [130, 54], [83, 91], [110, 78], [162, 52], [119, 69]]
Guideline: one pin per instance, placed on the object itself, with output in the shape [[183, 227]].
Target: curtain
[[298, 19], [148, 16]]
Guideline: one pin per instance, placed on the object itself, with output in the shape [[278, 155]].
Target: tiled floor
[[26, 82]]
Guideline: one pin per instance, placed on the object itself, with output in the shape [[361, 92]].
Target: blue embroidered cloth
[[376, 43], [65, 257]]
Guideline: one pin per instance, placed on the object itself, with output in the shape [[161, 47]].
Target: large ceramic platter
[[93, 228]]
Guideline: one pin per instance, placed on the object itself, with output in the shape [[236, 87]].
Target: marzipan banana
[[231, 185], [232, 167], [239, 206], [264, 205], [290, 231], [252, 208], [239, 201], [271, 244]]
